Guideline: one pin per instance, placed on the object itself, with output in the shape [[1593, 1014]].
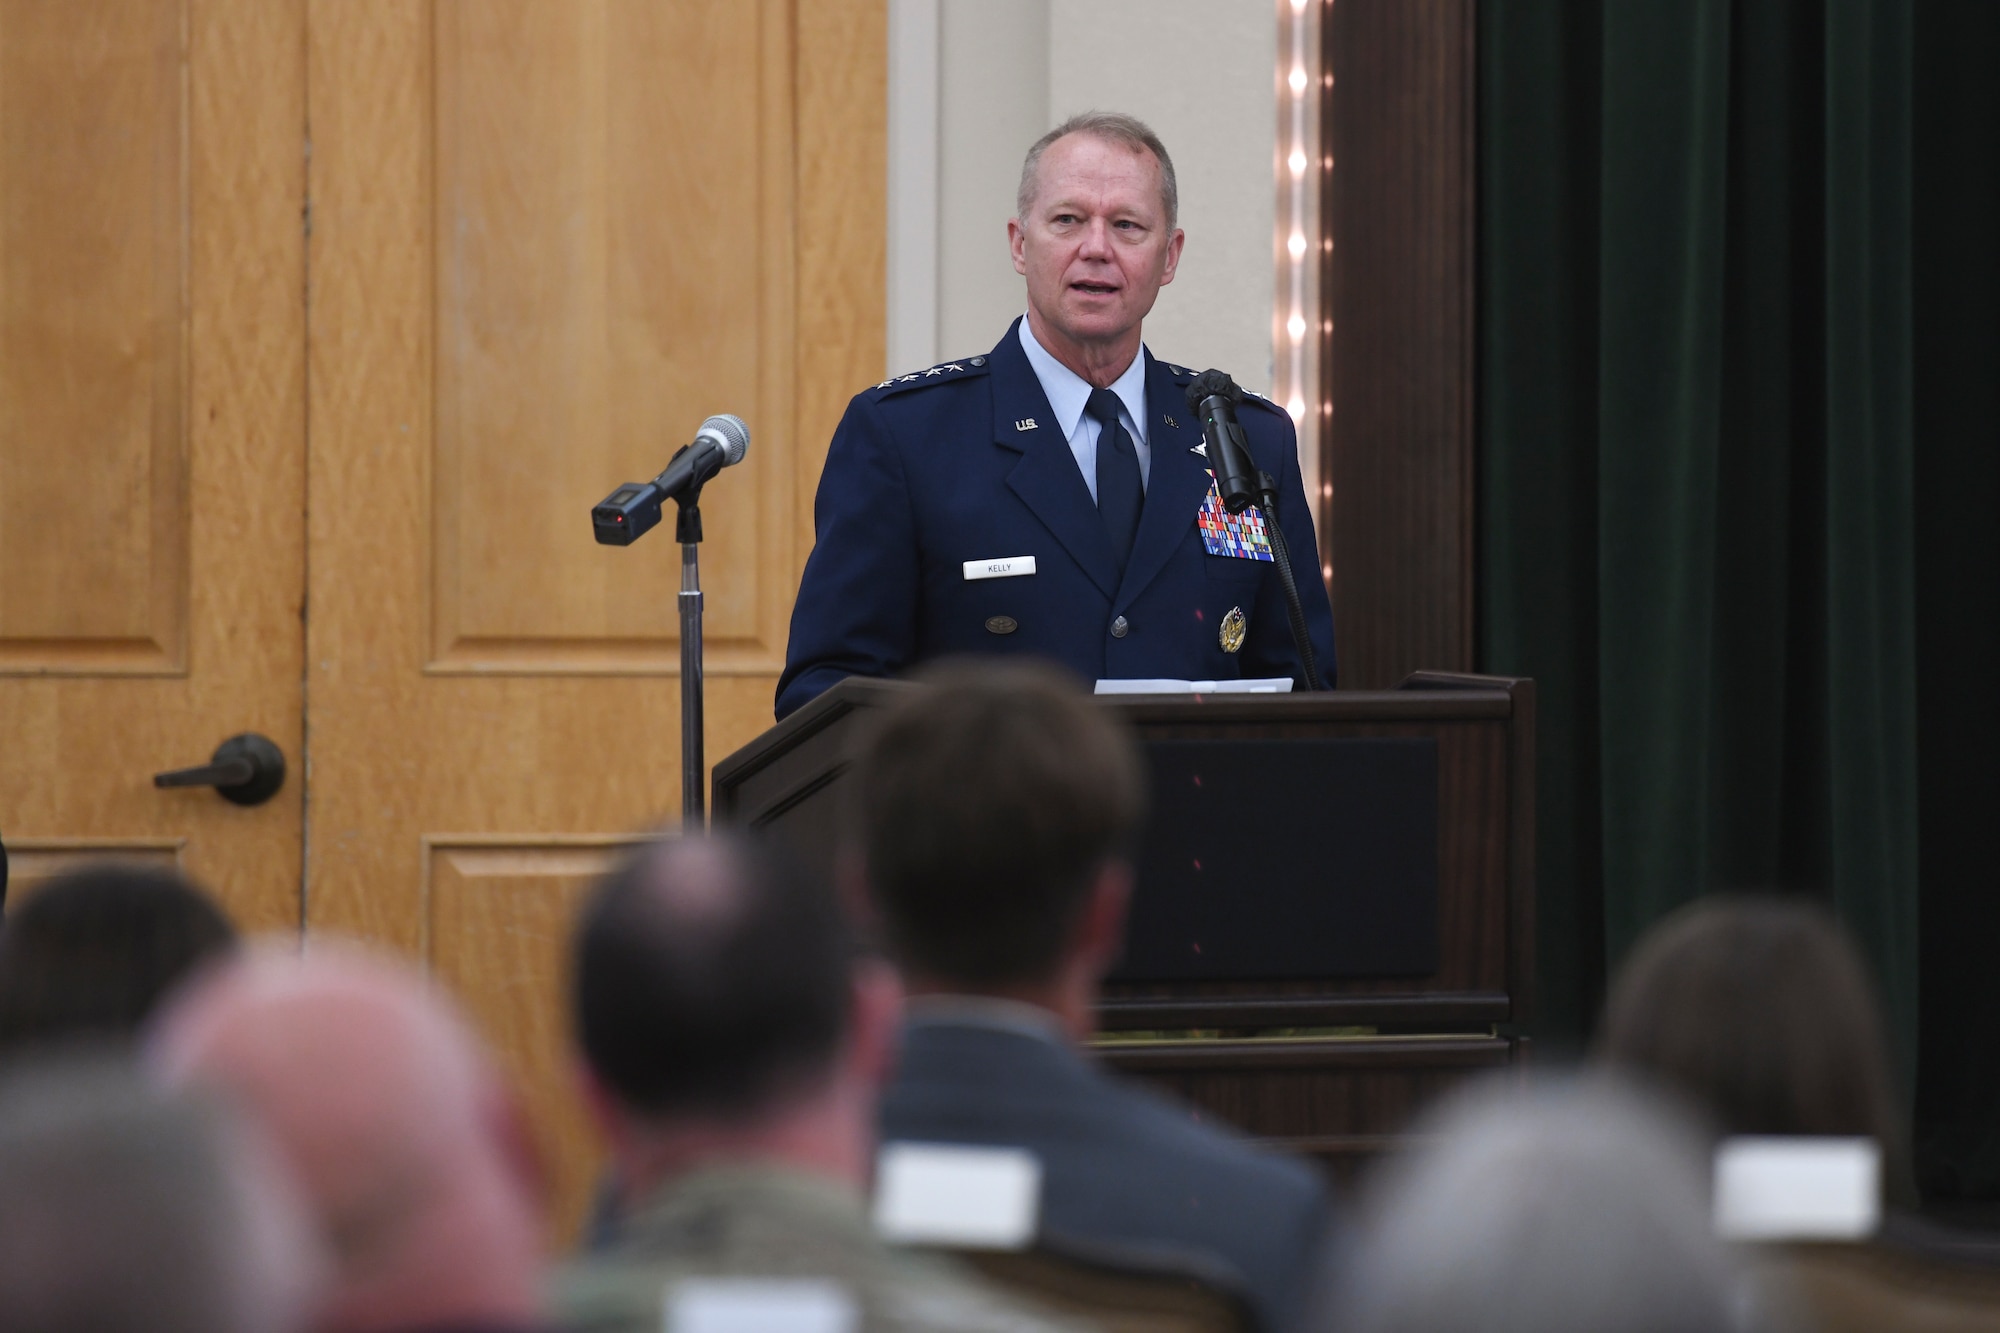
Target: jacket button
[[1119, 628]]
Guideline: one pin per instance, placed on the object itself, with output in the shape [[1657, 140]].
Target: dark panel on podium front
[[1235, 879]]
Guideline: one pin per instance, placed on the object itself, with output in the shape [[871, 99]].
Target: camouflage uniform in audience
[[762, 1222]]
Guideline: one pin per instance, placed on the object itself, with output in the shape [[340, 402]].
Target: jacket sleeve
[[1268, 649], [856, 613]]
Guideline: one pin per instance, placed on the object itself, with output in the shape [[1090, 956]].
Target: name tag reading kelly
[[1003, 567]]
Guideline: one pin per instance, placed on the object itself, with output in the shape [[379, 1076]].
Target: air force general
[[1053, 497]]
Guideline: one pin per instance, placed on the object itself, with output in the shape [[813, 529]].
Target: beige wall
[[1202, 72]]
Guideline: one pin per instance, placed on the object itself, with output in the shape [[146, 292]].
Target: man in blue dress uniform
[[1053, 497]]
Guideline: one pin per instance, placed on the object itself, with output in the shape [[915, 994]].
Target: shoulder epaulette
[[942, 373], [1184, 376], [1252, 396]]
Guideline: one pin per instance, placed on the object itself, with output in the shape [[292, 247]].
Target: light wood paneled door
[[549, 237], [152, 432]]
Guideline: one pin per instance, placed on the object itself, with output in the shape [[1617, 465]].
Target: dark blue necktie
[[1120, 493]]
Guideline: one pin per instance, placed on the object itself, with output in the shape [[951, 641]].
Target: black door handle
[[247, 769]]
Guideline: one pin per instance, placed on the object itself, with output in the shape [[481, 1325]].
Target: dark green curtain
[[1957, 290], [1727, 515]]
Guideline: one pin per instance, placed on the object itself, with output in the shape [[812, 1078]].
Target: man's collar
[[1069, 392], [985, 1011], [752, 1185]]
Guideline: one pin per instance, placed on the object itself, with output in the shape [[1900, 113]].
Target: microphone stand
[[1212, 398], [694, 770], [1281, 556]]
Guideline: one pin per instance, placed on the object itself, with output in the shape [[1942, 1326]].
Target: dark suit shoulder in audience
[[1119, 1164]]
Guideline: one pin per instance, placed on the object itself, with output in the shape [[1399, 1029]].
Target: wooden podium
[[1334, 916]]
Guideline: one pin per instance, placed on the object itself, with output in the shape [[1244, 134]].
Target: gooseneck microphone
[[1212, 396], [634, 508]]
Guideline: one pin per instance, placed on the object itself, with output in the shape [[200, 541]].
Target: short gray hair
[[126, 1207], [1570, 1207], [1117, 127]]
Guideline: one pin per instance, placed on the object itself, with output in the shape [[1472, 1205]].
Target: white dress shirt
[[1069, 393]]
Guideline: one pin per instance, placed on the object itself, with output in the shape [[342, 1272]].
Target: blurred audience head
[[998, 808], [723, 1011], [1759, 1011], [1571, 1207], [90, 953], [407, 1144], [125, 1208]]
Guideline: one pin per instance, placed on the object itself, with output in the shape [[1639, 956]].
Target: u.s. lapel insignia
[[1233, 627], [1171, 423], [1025, 423]]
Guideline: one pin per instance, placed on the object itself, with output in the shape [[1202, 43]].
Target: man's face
[[1095, 245]]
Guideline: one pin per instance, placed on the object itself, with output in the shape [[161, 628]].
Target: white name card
[[1769, 1188], [760, 1305], [1000, 567], [958, 1197], [1261, 685]]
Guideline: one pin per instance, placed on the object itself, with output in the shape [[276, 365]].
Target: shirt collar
[[1068, 392], [984, 1011]]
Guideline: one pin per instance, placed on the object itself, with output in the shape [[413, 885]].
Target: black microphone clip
[[1212, 397]]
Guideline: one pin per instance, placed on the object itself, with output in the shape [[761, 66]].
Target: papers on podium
[[1265, 685]]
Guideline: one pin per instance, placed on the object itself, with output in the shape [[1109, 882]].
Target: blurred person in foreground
[[127, 1209], [998, 808], [407, 1144], [1760, 1012], [1574, 1207], [91, 952], [734, 1041]]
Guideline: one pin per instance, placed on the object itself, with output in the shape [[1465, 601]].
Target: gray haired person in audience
[[734, 1041], [124, 1208], [1570, 1207], [404, 1139]]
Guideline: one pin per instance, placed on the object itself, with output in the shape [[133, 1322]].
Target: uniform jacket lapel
[[1177, 481], [1046, 478]]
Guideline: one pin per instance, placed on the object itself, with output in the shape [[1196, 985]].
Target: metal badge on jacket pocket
[[1233, 628]]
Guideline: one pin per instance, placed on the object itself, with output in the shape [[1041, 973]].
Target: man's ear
[[877, 1020], [850, 885], [1100, 927], [1173, 264], [507, 1123], [1017, 239], [606, 1117]]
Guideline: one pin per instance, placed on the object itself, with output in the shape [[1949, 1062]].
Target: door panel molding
[[499, 913], [612, 261], [94, 207]]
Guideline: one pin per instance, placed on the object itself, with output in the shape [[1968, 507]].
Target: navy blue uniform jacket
[[965, 461]]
